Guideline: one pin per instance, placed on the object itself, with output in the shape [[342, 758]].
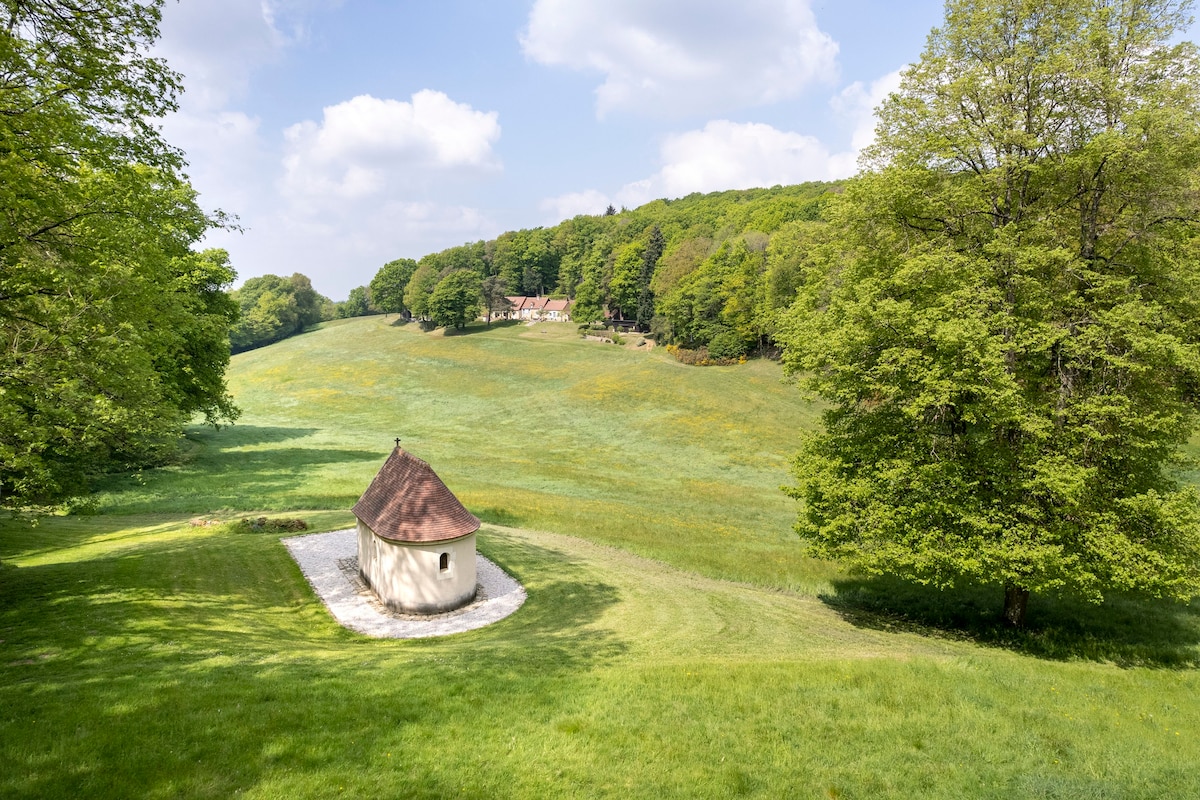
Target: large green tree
[[494, 296], [356, 304], [456, 299], [650, 256], [388, 285], [112, 329], [1007, 323], [274, 308], [420, 287]]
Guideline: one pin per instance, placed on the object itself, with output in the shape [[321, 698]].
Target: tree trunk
[[1016, 600]]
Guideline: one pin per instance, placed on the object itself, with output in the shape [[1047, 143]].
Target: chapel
[[416, 541]]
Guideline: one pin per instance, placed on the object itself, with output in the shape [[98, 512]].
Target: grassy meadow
[[675, 642]]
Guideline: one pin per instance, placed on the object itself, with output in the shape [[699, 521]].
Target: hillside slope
[[529, 425]]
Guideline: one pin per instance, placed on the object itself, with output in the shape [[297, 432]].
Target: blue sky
[[346, 133]]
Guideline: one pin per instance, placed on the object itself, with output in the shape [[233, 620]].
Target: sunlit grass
[[529, 426], [675, 642], [144, 657]]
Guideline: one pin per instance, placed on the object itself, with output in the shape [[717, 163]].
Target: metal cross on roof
[[397, 441]]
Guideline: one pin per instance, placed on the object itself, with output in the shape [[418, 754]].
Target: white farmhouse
[[416, 542]]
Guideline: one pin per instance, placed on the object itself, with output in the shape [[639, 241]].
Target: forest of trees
[[712, 270], [273, 308], [702, 271]]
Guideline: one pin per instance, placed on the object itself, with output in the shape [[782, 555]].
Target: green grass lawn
[[529, 425], [674, 643]]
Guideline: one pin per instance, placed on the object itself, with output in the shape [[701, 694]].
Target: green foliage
[[1007, 326], [420, 287], [456, 299], [388, 285], [629, 264], [269, 525], [574, 240], [194, 331], [357, 304], [493, 294], [650, 257], [727, 346], [527, 260], [274, 308], [112, 331], [721, 295], [473, 256], [623, 289]]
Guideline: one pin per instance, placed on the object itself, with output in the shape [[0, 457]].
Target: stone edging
[[328, 561]]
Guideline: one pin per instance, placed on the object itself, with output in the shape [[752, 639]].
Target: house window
[[444, 562]]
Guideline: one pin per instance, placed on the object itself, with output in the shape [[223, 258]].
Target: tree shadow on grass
[[1128, 631], [217, 474], [238, 435], [241, 593], [205, 667], [479, 327]]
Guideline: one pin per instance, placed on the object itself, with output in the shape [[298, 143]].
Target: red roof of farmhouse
[[407, 502]]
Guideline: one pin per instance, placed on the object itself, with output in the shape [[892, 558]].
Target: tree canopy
[[631, 265], [274, 308], [113, 331], [456, 299], [1006, 321], [387, 287]]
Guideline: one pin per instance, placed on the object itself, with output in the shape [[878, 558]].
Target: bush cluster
[[606, 335], [701, 357], [264, 525]]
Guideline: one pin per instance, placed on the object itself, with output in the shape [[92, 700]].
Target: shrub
[[701, 357], [264, 525], [726, 346]]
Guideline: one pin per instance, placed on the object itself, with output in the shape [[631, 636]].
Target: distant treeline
[[274, 308], [703, 270]]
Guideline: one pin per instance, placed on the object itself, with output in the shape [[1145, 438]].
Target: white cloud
[[684, 56], [366, 145], [358, 186], [334, 197], [573, 204], [723, 155], [225, 149], [216, 44], [344, 246], [731, 155], [857, 103]]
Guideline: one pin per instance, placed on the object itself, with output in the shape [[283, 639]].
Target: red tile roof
[[407, 502]]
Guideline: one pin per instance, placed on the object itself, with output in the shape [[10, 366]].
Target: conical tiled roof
[[407, 502]]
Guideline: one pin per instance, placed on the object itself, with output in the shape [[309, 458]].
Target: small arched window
[[444, 562]]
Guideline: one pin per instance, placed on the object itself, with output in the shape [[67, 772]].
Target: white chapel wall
[[409, 577]]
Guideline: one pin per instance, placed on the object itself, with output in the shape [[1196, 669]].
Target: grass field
[[674, 643]]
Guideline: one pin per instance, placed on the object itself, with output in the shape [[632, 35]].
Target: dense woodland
[[704, 271]]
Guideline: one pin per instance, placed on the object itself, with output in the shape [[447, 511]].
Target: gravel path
[[330, 562]]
